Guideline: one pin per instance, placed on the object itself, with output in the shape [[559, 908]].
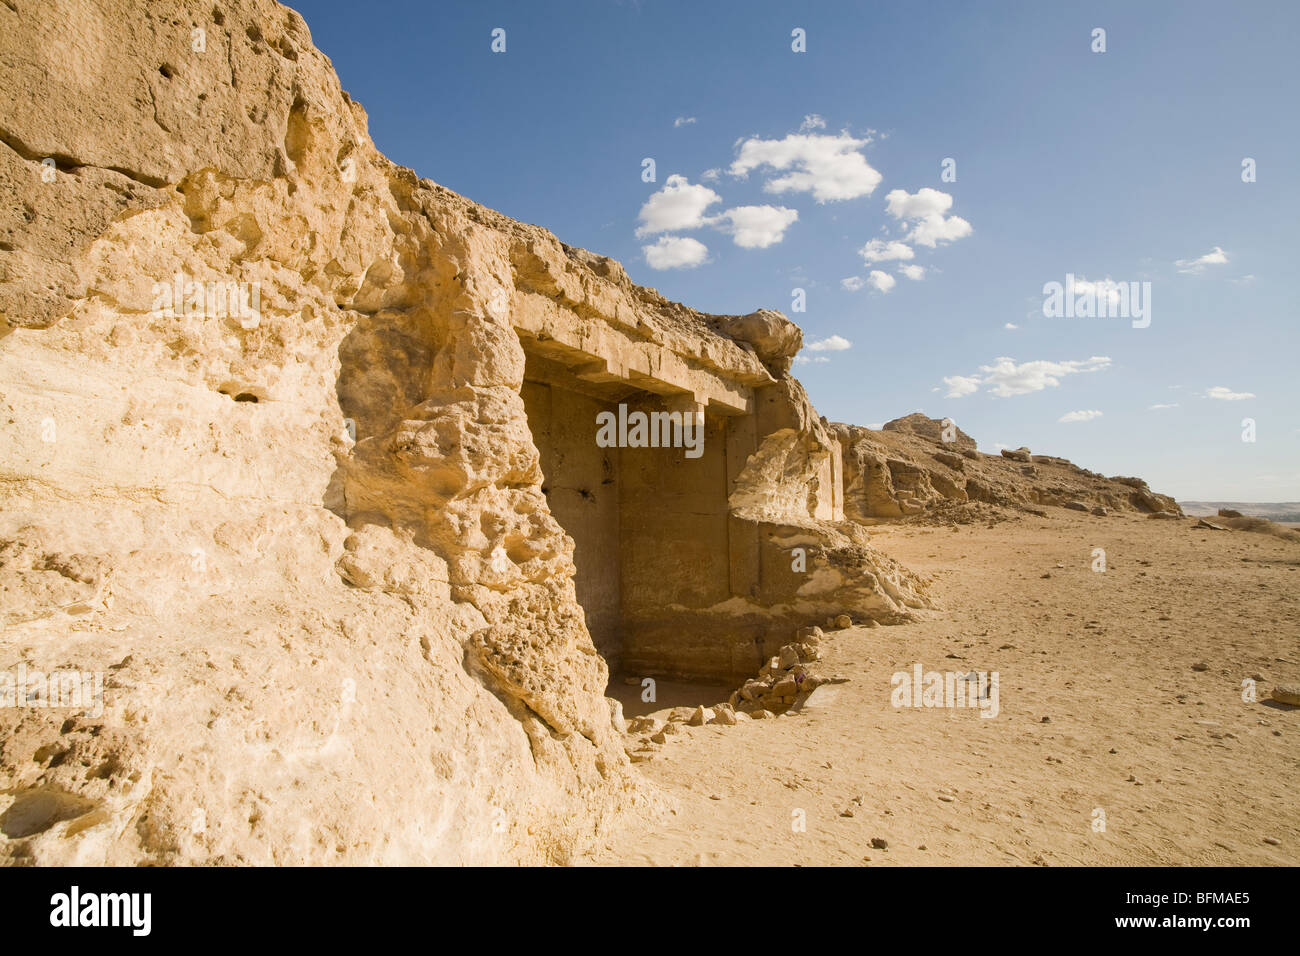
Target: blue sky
[[1123, 165]]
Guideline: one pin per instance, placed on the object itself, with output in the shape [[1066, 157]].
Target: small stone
[[645, 725], [762, 714], [846, 812], [715, 796], [1272, 841], [786, 687], [879, 843], [1287, 694], [725, 716], [789, 657], [659, 738], [701, 716], [1200, 666], [842, 621]]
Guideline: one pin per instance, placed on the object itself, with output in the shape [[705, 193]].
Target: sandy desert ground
[[1106, 704]]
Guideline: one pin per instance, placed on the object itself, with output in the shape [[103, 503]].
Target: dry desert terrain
[[1101, 707]]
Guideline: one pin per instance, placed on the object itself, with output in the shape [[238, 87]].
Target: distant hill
[[1282, 511], [929, 469]]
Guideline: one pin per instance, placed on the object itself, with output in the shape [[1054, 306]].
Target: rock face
[[911, 467], [301, 462]]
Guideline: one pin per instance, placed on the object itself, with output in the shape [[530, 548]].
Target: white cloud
[[679, 205], [879, 250], [1011, 325], [1226, 394], [1215, 257], [832, 343], [852, 283], [1158, 406], [913, 272], [683, 121], [755, 227], [961, 385], [1086, 415], [806, 360], [1005, 377], [926, 202], [930, 232], [926, 210], [828, 167], [675, 252], [711, 175], [881, 281], [811, 122]]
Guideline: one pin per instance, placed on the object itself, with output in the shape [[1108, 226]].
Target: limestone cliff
[[298, 461]]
